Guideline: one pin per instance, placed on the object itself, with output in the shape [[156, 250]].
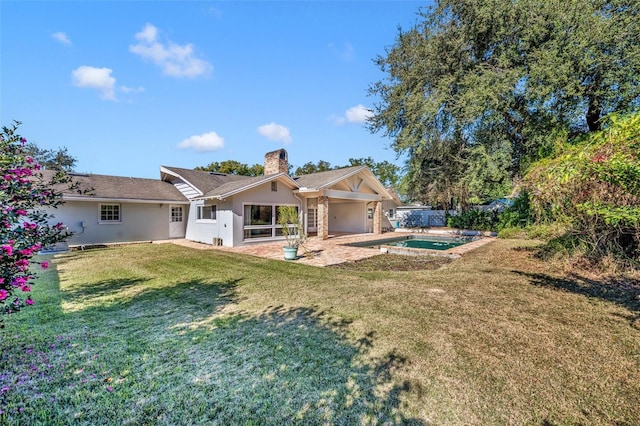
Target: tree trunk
[[593, 115]]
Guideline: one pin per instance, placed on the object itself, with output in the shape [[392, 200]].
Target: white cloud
[[355, 114], [127, 89], [95, 78], [174, 60], [203, 143], [61, 37], [358, 114], [275, 132]]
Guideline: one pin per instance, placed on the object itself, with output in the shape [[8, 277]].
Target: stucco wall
[[229, 223], [259, 195], [348, 217], [140, 222], [206, 231]]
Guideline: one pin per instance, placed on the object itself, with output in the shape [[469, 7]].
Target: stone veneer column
[[377, 218], [323, 217]]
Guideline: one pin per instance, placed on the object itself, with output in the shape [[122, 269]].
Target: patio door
[[177, 224], [312, 215]]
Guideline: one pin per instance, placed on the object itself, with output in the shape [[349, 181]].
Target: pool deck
[[318, 252]]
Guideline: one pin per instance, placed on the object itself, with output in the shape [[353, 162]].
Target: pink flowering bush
[[26, 224]]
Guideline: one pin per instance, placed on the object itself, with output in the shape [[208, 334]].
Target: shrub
[[476, 219], [593, 185], [25, 221]]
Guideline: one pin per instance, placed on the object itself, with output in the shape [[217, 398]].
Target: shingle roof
[[122, 188], [205, 181], [322, 179], [231, 188]]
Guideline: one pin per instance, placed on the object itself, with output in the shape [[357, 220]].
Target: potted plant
[[290, 222]]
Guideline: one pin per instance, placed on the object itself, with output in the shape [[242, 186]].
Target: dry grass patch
[[170, 335]]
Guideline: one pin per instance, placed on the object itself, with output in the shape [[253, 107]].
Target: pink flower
[[21, 212], [29, 301], [19, 281], [44, 265], [26, 288], [7, 249], [3, 294]]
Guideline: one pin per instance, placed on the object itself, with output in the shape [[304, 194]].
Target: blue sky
[[131, 85]]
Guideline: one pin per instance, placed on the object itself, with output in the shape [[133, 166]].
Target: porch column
[[377, 218], [323, 217]]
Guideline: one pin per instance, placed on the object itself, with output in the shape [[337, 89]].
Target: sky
[[128, 86]]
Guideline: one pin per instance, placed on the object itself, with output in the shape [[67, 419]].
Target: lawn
[[162, 334]]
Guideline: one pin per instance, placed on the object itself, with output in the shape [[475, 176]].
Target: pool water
[[419, 242], [428, 244]]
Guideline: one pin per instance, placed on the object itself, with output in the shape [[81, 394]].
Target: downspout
[[303, 212]]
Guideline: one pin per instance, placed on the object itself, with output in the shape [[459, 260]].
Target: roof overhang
[[121, 200], [166, 172], [348, 195]]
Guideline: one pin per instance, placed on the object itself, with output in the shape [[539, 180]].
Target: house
[[121, 209], [222, 209]]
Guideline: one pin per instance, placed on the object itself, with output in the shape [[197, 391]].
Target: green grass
[[161, 334]]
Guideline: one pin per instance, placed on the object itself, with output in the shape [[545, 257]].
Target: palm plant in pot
[[290, 222]]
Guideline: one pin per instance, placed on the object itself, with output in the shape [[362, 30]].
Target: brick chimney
[[276, 162]]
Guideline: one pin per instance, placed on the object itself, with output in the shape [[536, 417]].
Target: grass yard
[[162, 334]]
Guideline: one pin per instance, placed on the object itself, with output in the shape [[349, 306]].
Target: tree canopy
[[473, 90], [233, 167], [51, 159], [311, 167], [387, 173]]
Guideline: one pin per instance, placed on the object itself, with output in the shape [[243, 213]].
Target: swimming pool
[[430, 242]]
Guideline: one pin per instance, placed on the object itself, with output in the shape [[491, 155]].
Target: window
[[207, 212], [261, 221], [369, 213], [176, 214], [274, 186], [390, 214], [110, 213]]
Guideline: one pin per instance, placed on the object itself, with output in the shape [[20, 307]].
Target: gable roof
[[325, 179], [200, 180], [232, 188], [102, 187]]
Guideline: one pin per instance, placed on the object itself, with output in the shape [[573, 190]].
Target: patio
[[318, 252]]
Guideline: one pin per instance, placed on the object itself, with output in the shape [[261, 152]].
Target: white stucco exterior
[[139, 222]]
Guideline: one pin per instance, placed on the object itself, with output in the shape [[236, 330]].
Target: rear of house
[[223, 209]]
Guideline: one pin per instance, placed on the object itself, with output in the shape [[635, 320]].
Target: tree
[[386, 172], [51, 159], [310, 167], [26, 198], [502, 75], [233, 167]]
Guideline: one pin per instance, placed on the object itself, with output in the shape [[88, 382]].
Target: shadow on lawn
[[622, 292], [293, 365], [278, 366], [100, 288]]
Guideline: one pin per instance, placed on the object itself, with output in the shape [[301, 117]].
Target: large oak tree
[[473, 90]]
